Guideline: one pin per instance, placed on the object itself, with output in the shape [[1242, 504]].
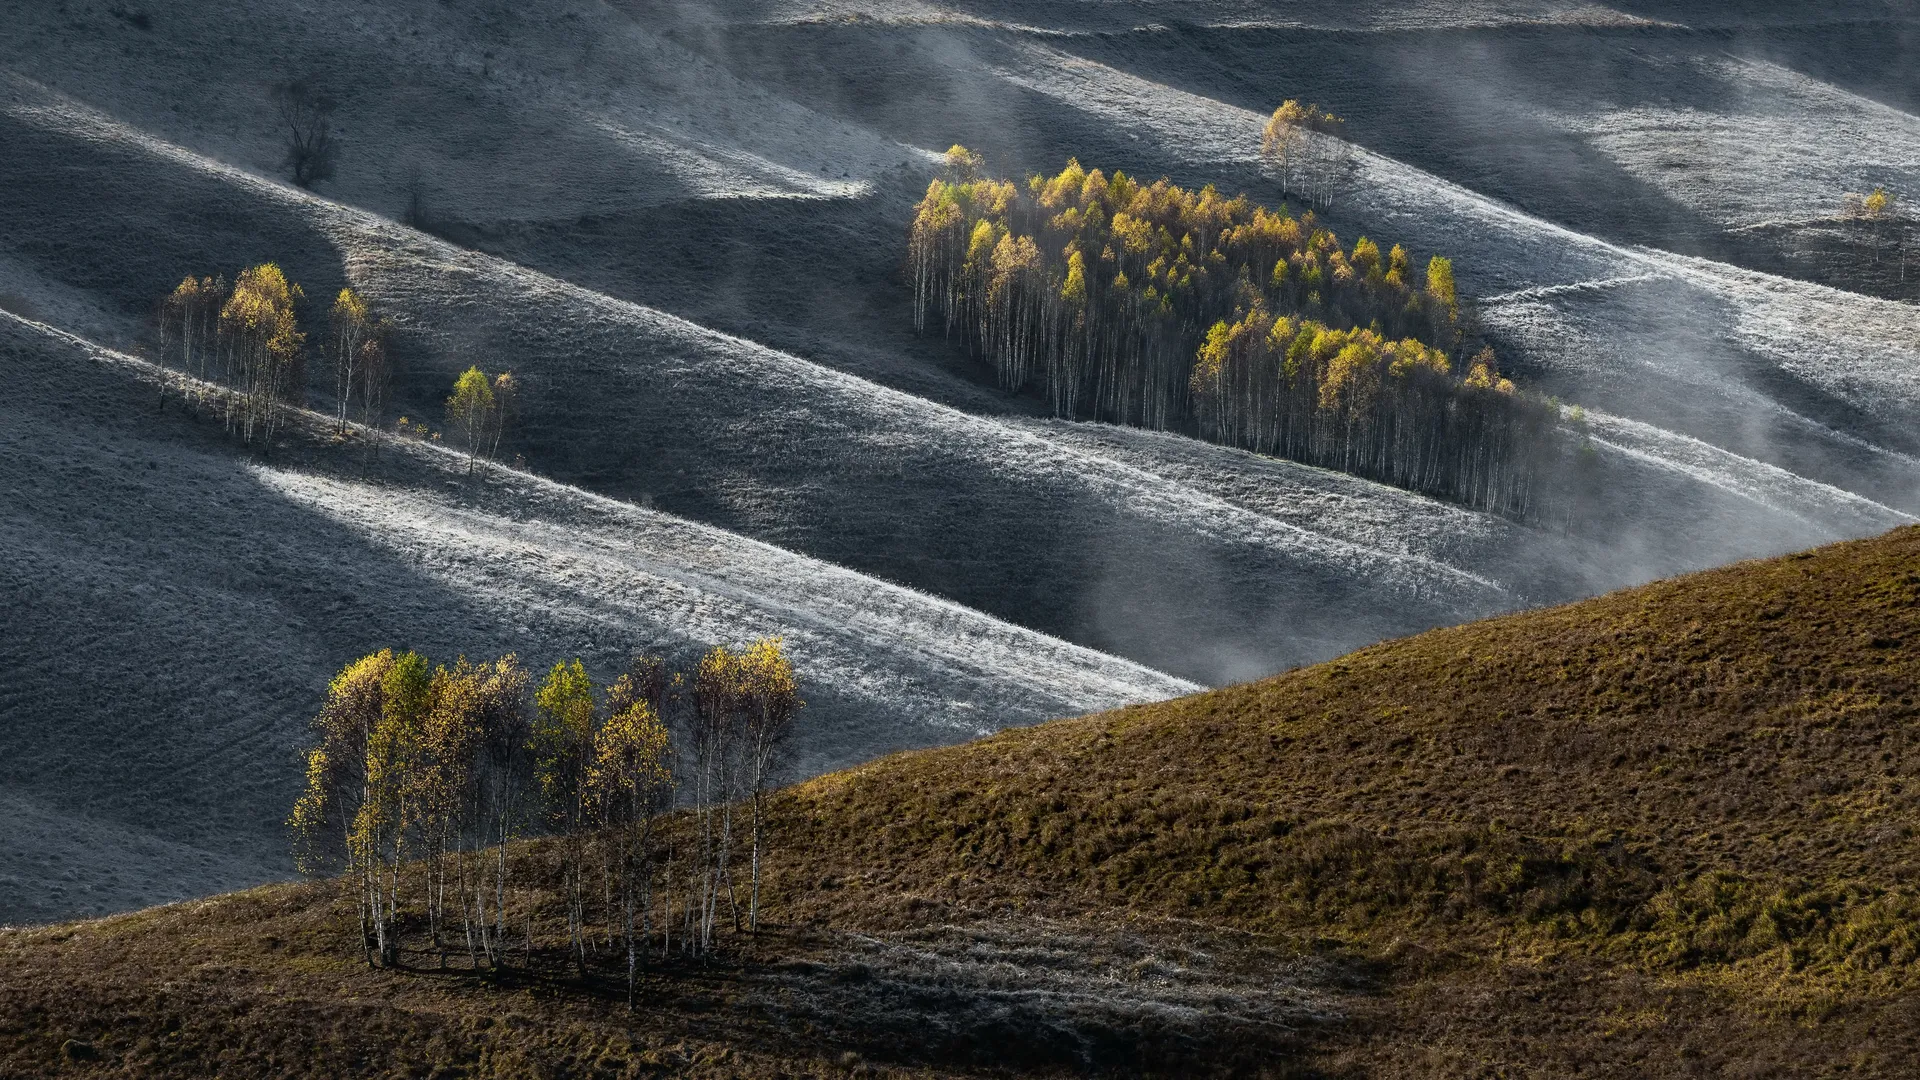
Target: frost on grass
[[1731, 413], [147, 553], [1777, 146]]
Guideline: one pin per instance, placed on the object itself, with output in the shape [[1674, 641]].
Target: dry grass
[[262, 983], [1665, 832]]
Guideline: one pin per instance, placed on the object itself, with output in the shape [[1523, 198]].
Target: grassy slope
[[1706, 782], [1664, 832]]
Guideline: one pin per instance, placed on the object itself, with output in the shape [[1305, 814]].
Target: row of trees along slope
[[1154, 305], [242, 345], [423, 776]]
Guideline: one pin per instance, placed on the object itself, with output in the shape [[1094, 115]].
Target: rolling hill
[[1666, 832], [680, 225], [148, 556]]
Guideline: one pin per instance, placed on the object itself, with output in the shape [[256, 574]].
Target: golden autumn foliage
[[426, 773], [1152, 304], [1305, 148], [1357, 401], [189, 327], [416, 762], [769, 695], [265, 346], [479, 409], [246, 338], [563, 755], [358, 345], [1877, 213], [628, 781]]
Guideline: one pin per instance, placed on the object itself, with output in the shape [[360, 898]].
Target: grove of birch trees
[[423, 775], [242, 345], [244, 339], [1158, 306]]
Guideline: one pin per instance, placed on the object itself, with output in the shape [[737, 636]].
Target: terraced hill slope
[[1666, 832]]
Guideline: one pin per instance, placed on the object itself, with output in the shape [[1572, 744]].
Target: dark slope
[[1666, 832]]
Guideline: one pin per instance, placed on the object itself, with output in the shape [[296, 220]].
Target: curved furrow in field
[[487, 114], [642, 405], [1784, 374], [1863, 349], [217, 596], [1828, 513], [1119, 16], [915, 662], [1778, 147]]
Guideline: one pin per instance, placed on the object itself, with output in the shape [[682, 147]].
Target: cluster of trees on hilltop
[[424, 774], [245, 339], [1153, 305]]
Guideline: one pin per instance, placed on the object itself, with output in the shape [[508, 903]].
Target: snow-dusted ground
[[679, 224]]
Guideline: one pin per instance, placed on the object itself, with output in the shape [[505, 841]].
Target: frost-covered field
[[1777, 145], [204, 599], [680, 225], [647, 406]]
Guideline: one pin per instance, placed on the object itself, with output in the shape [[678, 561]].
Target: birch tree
[[630, 780], [375, 368], [563, 742], [1282, 144], [770, 698], [1306, 148], [188, 324], [714, 738], [505, 735], [506, 397], [351, 328], [394, 751], [339, 788], [263, 344], [445, 781], [1878, 208], [470, 411]]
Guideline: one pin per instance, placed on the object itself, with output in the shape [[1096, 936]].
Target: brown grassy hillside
[[1665, 832]]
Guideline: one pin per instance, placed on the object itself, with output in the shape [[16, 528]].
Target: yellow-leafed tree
[[352, 327], [770, 700], [563, 753], [265, 346], [629, 781]]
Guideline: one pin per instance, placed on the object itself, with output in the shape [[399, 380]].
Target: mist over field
[[683, 227]]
